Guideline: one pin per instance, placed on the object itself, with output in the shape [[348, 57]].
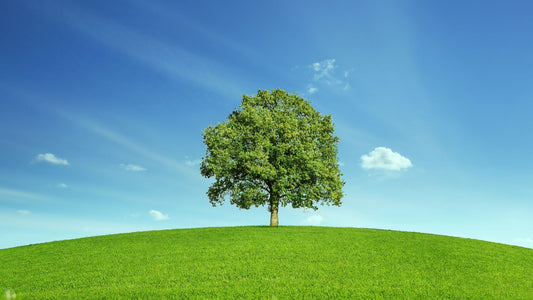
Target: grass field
[[268, 263]]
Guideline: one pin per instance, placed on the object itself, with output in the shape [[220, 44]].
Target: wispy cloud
[[124, 141], [130, 167], [385, 159], [51, 158], [325, 73], [17, 196], [62, 185], [101, 130], [158, 216], [323, 69], [311, 90], [23, 212], [168, 58], [192, 163], [212, 35]]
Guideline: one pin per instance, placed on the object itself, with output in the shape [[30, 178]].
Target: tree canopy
[[274, 150]]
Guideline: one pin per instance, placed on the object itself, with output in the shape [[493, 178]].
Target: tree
[[276, 149]]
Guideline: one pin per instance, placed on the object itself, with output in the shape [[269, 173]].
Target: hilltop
[[264, 262]]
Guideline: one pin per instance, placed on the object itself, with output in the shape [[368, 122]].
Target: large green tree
[[275, 150]]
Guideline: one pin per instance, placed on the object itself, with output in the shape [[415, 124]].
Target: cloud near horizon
[[133, 168], [524, 242], [314, 220], [385, 159], [158, 216], [51, 158]]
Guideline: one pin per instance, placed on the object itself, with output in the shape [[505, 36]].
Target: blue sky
[[103, 104]]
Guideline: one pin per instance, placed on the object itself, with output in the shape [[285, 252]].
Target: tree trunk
[[273, 205], [274, 217]]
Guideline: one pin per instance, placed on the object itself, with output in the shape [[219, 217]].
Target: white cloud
[[62, 185], [192, 163], [51, 158], [158, 216], [130, 167], [324, 72], [23, 212], [314, 220], [311, 90], [384, 158], [323, 69]]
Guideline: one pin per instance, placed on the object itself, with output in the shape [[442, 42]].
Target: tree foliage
[[275, 150]]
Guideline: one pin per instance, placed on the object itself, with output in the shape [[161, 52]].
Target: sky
[[103, 105]]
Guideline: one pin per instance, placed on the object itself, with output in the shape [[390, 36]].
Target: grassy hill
[[268, 263]]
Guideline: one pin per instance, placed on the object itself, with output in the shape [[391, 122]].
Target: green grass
[[268, 263]]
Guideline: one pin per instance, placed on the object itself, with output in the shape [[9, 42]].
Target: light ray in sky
[[170, 59]]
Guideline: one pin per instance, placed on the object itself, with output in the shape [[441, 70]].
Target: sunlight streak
[[167, 58]]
